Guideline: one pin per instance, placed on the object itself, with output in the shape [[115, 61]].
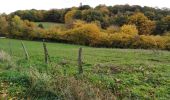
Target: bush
[[121, 40], [40, 26], [52, 33], [103, 40], [129, 29], [78, 23], [150, 42], [85, 35], [112, 29]]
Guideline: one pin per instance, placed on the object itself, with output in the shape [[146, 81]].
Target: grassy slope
[[144, 73], [50, 24]]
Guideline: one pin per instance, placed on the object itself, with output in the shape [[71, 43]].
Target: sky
[[8, 6]]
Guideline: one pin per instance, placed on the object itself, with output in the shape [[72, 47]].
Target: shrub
[[112, 29], [121, 40], [147, 42], [78, 23], [85, 35], [103, 40], [167, 45], [129, 29], [40, 26], [53, 33]]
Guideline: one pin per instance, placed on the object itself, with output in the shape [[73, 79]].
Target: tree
[[16, 26], [92, 15], [143, 24], [84, 7], [53, 16], [3, 25], [103, 9], [69, 18], [22, 28], [163, 25], [119, 20]]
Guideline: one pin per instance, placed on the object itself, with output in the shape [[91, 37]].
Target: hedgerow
[[90, 34]]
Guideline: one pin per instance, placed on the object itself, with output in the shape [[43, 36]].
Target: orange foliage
[[144, 25]]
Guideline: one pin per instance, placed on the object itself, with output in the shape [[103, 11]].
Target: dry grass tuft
[[68, 88], [4, 57]]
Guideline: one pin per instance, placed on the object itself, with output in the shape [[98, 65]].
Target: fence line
[[25, 51]]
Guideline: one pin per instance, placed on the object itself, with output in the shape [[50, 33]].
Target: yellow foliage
[[78, 23], [150, 42], [121, 40], [129, 29], [69, 17], [86, 34], [112, 29], [3, 25], [104, 40], [144, 25], [53, 33]]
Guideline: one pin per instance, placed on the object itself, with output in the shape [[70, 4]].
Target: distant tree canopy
[[144, 25], [136, 32], [3, 25], [155, 20]]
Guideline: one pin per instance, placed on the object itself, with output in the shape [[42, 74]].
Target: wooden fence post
[[25, 51], [10, 48], [46, 55], [80, 67]]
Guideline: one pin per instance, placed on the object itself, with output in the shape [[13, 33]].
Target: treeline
[[133, 30], [104, 15], [81, 32]]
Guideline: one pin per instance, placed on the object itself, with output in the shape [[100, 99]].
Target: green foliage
[[163, 25], [106, 15], [92, 15], [119, 20], [40, 26]]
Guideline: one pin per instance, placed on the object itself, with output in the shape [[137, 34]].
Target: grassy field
[[50, 24], [127, 73]]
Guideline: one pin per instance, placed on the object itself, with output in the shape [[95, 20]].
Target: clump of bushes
[[91, 34], [150, 42], [85, 35]]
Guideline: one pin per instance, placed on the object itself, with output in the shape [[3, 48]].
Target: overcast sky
[[8, 6]]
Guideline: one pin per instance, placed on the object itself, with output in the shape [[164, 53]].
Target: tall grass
[[31, 83]]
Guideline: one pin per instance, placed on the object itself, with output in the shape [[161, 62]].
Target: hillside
[[127, 73]]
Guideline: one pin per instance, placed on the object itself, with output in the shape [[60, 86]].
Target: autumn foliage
[[91, 34]]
